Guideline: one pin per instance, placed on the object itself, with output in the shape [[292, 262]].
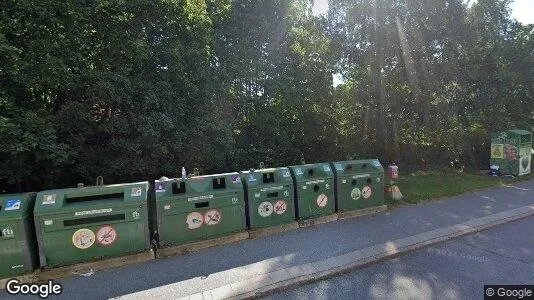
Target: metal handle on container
[[100, 180]]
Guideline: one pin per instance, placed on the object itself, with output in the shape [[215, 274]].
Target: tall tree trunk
[[381, 130], [365, 122], [411, 72]]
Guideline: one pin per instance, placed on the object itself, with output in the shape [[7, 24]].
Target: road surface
[[455, 270]]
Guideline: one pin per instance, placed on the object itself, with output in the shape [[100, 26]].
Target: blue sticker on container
[[376, 163], [339, 167], [326, 168], [13, 204], [251, 177]]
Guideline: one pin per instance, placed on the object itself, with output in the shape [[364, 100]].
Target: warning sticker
[[212, 217], [326, 168], [106, 235], [367, 191], [322, 200], [376, 163], [13, 204], [510, 152], [137, 191], [265, 209], [355, 193], [160, 187], [194, 220], [497, 151], [49, 199], [83, 238], [251, 177], [236, 179], [280, 207], [299, 171], [339, 167], [286, 173]]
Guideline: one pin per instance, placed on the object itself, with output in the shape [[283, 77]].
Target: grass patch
[[422, 186]]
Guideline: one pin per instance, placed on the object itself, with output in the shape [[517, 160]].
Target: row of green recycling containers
[[69, 226]]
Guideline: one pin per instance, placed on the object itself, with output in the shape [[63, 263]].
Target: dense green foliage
[[137, 89]]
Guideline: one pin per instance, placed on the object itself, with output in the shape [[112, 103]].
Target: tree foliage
[[133, 90]]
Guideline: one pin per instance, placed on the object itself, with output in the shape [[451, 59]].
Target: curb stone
[[360, 258]]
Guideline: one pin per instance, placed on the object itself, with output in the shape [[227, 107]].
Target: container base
[[259, 232], [361, 212], [195, 246], [89, 267], [317, 220]]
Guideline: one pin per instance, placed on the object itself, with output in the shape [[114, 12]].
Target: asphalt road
[[455, 270]]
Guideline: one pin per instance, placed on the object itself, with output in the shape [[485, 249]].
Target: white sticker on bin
[[200, 198], [315, 181], [137, 191], [93, 212], [274, 188], [49, 199]]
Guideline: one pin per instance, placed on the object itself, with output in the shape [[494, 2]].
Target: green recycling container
[[199, 208], [269, 195], [18, 248], [83, 224], [511, 152], [314, 189], [358, 184]]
